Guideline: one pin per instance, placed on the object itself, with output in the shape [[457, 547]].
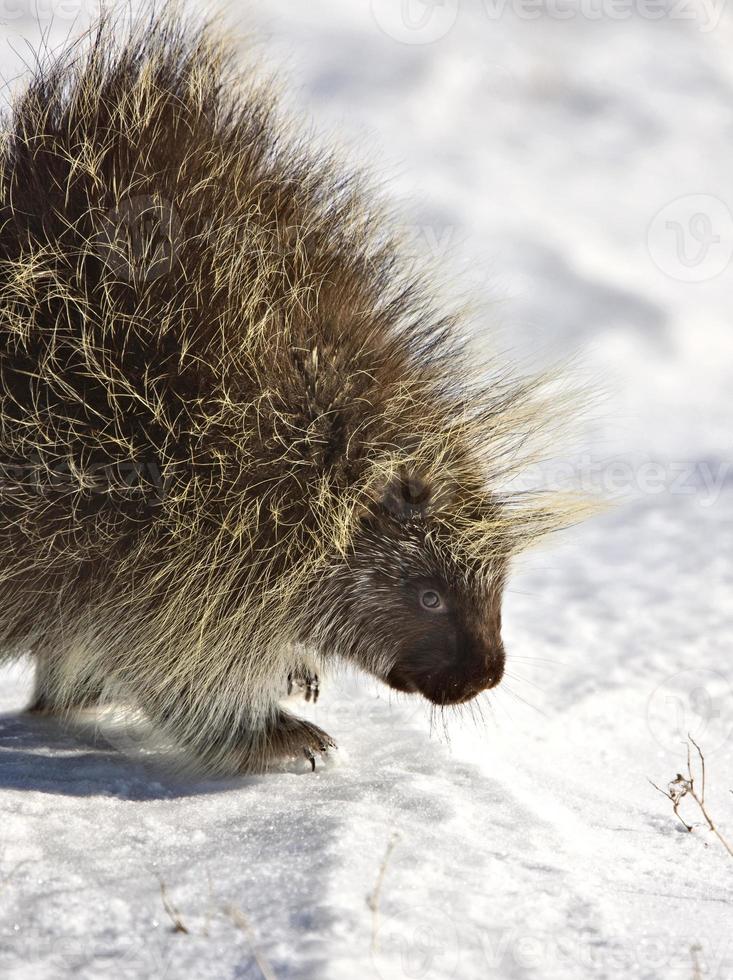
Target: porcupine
[[241, 439]]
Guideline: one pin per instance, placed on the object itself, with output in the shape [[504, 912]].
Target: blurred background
[[569, 165]]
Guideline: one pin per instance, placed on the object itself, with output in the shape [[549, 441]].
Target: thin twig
[[373, 899], [675, 797], [171, 910], [240, 919], [682, 786], [701, 801], [702, 764], [696, 971]]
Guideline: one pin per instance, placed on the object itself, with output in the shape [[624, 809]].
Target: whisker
[[529, 704], [489, 703], [538, 660], [522, 680]]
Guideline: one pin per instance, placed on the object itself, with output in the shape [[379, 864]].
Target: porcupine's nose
[[476, 668], [496, 666]]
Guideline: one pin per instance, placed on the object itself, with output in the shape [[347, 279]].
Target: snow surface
[[553, 161]]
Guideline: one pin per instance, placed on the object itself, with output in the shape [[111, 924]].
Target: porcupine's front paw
[[306, 679], [293, 738]]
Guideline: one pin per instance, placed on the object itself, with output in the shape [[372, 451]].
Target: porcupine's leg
[[48, 697], [282, 737], [304, 675], [236, 748], [291, 737], [307, 680], [44, 691]]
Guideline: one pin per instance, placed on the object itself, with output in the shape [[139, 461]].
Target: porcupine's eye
[[431, 600]]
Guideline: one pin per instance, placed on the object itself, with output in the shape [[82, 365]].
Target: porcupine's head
[[416, 600], [434, 611]]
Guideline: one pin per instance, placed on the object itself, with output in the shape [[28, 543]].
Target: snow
[[575, 170]]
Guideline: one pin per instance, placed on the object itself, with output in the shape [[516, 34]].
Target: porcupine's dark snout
[[477, 669], [451, 675]]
